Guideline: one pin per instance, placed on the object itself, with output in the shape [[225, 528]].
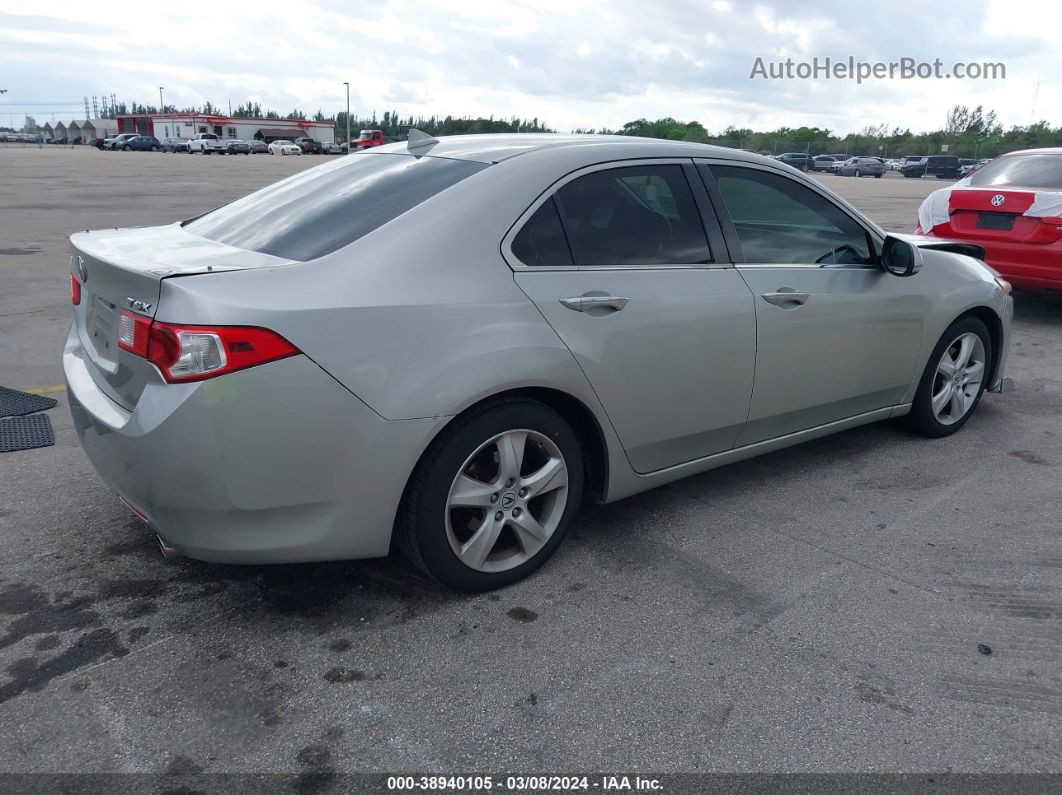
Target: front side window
[[780, 221], [633, 216], [323, 209]]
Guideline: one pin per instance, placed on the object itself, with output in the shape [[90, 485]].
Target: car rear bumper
[[278, 463], [1022, 264]]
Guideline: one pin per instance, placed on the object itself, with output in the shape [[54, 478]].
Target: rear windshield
[[325, 208], [1026, 171]]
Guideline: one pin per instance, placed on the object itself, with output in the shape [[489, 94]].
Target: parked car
[[309, 146], [284, 148], [585, 357], [117, 141], [967, 166], [333, 149], [175, 144], [939, 166], [799, 160], [822, 162], [367, 139], [256, 147], [234, 146], [862, 167], [1011, 208], [206, 143], [141, 143]]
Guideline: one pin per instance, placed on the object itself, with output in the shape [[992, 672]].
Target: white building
[[185, 125]]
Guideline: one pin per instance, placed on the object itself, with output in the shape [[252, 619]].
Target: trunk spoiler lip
[[168, 250]]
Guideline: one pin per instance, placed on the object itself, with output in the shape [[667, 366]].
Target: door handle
[[785, 296], [584, 302]]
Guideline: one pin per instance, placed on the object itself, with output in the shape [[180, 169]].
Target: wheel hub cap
[[506, 501], [957, 382]]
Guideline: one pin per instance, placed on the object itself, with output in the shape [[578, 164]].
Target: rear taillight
[[194, 353], [133, 333], [75, 290]]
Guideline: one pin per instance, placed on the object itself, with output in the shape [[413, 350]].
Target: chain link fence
[[767, 145]]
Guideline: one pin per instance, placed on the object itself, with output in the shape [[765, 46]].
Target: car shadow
[[1041, 308]]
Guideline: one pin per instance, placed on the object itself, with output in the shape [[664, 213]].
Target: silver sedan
[[449, 345]]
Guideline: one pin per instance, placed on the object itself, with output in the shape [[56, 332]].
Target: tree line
[[967, 132]]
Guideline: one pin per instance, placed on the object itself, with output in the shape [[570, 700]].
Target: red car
[[1012, 208]]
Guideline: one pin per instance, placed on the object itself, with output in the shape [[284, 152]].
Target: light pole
[[348, 115], [162, 107]]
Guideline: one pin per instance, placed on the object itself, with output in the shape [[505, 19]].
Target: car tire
[[878, 176], [127, 149], [858, 173], [436, 526], [936, 409], [154, 149]]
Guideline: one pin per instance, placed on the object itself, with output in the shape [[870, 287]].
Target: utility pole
[[162, 107], [348, 115]]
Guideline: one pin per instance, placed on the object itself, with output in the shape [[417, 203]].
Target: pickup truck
[[369, 138], [309, 146], [206, 143]]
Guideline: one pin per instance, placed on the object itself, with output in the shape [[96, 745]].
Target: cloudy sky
[[572, 63]]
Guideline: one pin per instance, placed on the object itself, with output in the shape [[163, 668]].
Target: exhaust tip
[[168, 552]]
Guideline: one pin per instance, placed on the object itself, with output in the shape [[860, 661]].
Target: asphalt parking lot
[[870, 601]]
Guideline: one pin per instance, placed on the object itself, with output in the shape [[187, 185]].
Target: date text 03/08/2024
[[537, 783]]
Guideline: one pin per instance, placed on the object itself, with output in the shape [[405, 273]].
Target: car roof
[[1051, 150], [496, 147]]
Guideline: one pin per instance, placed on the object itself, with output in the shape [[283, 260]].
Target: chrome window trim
[[517, 265]]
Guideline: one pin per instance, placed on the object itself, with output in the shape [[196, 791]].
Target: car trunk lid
[[122, 270], [998, 214]]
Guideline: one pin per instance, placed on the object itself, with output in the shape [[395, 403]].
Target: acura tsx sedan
[[448, 345]]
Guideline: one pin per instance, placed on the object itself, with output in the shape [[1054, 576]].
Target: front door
[[665, 335], [837, 335]]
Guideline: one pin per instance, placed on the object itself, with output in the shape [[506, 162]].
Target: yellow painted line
[[47, 390]]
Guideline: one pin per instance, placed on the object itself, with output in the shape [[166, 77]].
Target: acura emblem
[[998, 200], [82, 271]]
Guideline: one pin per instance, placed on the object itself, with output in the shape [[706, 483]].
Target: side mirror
[[900, 258]]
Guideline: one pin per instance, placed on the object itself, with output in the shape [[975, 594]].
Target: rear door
[[837, 335], [620, 263]]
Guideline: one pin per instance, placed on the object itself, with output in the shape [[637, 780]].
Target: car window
[[633, 216], [1026, 171], [320, 210], [780, 221], [541, 241]]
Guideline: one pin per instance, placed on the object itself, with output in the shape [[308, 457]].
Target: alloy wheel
[[957, 382], [506, 501]]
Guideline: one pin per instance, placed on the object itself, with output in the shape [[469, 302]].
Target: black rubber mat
[[25, 433], [14, 403]]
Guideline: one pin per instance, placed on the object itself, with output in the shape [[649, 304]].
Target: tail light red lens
[[75, 290], [195, 353]]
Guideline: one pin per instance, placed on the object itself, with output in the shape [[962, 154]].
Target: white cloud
[[572, 63]]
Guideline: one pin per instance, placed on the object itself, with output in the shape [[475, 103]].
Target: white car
[[284, 148]]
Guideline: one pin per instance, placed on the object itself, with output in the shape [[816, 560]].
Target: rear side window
[[323, 209], [633, 216], [541, 242], [780, 221]]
